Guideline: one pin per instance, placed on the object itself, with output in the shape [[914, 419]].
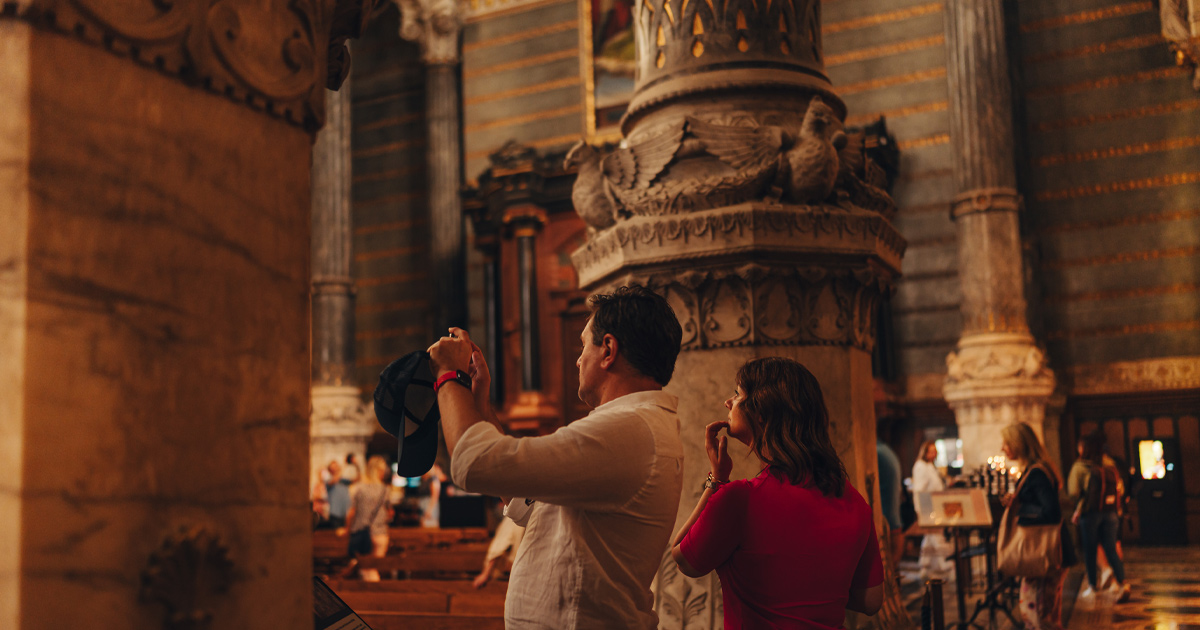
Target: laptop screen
[[330, 612]]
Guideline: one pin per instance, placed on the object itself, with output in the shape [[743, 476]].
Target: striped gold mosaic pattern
[[887, 58], [1114, 140], [390, 200], [521, 80]]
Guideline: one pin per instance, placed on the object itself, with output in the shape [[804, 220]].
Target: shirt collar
[[649, 397]]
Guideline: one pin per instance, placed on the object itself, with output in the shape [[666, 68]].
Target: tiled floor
[[1166, 595]]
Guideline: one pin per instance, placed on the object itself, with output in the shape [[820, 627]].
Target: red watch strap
[[443, 379]]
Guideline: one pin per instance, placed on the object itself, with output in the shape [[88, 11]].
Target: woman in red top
[[795, 546]]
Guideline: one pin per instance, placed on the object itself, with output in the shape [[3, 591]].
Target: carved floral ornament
[[275, 57], [184, 574]]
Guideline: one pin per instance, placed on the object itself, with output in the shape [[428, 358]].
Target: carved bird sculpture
[[589, 194], [860, 180], [812, 159]]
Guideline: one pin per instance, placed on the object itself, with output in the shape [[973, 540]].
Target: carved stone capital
[[785, 304], [275, 57], [985, 200], [435, 25]]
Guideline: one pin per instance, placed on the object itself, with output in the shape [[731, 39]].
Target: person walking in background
[[1037, 504], [337, 490], [935, 549], [889, 494], [1097, 490], [368, 514], [795, 546]]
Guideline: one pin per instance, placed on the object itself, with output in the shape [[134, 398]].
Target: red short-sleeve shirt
[[787, 555]]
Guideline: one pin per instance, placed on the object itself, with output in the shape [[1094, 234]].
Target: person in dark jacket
[[1037, 504]]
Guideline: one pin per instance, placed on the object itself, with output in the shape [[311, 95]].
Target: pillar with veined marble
[[737, 196], [154, 308], [997, 375]]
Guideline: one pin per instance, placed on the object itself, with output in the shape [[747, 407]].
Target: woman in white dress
[[935, 547]]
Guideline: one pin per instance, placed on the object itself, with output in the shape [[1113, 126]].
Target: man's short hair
[[647, 332]]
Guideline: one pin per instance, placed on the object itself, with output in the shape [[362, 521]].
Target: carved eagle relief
[[765, 161]]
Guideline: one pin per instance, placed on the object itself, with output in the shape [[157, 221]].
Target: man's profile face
[[588, 363]]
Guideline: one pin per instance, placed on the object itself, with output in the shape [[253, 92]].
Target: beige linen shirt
[[606, 489]]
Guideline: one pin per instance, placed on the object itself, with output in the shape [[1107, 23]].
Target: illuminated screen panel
[[1150, 459]]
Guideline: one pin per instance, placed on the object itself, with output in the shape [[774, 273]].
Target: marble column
[[998, 375], [436, 25], [525, 229], [154, 309], [340, 423], [730, 198]]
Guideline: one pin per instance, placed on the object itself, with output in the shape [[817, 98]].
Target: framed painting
[[607, 62]]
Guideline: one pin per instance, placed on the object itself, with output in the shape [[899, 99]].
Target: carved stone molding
[[820, 233], [184, 573], [985, 200], [275, 57], [1168, 373], [771, 304], [435, 25]]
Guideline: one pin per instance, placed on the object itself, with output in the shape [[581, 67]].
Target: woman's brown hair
[[791, 424]]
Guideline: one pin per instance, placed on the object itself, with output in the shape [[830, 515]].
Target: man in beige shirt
[[603, 490]]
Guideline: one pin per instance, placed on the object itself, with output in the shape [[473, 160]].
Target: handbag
[[360, 540], [1027, 551]]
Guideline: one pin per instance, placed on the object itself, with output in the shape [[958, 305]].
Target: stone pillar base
[[993, 380], [341, 424]]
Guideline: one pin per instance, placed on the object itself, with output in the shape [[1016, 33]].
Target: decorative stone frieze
[[276, 61], [1167, 373]]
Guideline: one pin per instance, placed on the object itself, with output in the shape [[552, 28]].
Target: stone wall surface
[[154, 362], [1111, 187], [393, 284], [521, 80]]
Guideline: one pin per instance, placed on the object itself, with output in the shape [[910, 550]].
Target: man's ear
[[610, 349]]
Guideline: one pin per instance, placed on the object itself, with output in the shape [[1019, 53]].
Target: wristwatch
[[712, 483], [457, 376]]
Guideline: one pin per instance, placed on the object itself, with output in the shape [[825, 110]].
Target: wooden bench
[[329, 550], [425, 621], [425, 604], [451, 562], [423, 596]]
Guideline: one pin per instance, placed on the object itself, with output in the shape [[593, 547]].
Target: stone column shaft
[[445, 204], [998, 375], [341, 424], [531, 376], [333, 286]]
